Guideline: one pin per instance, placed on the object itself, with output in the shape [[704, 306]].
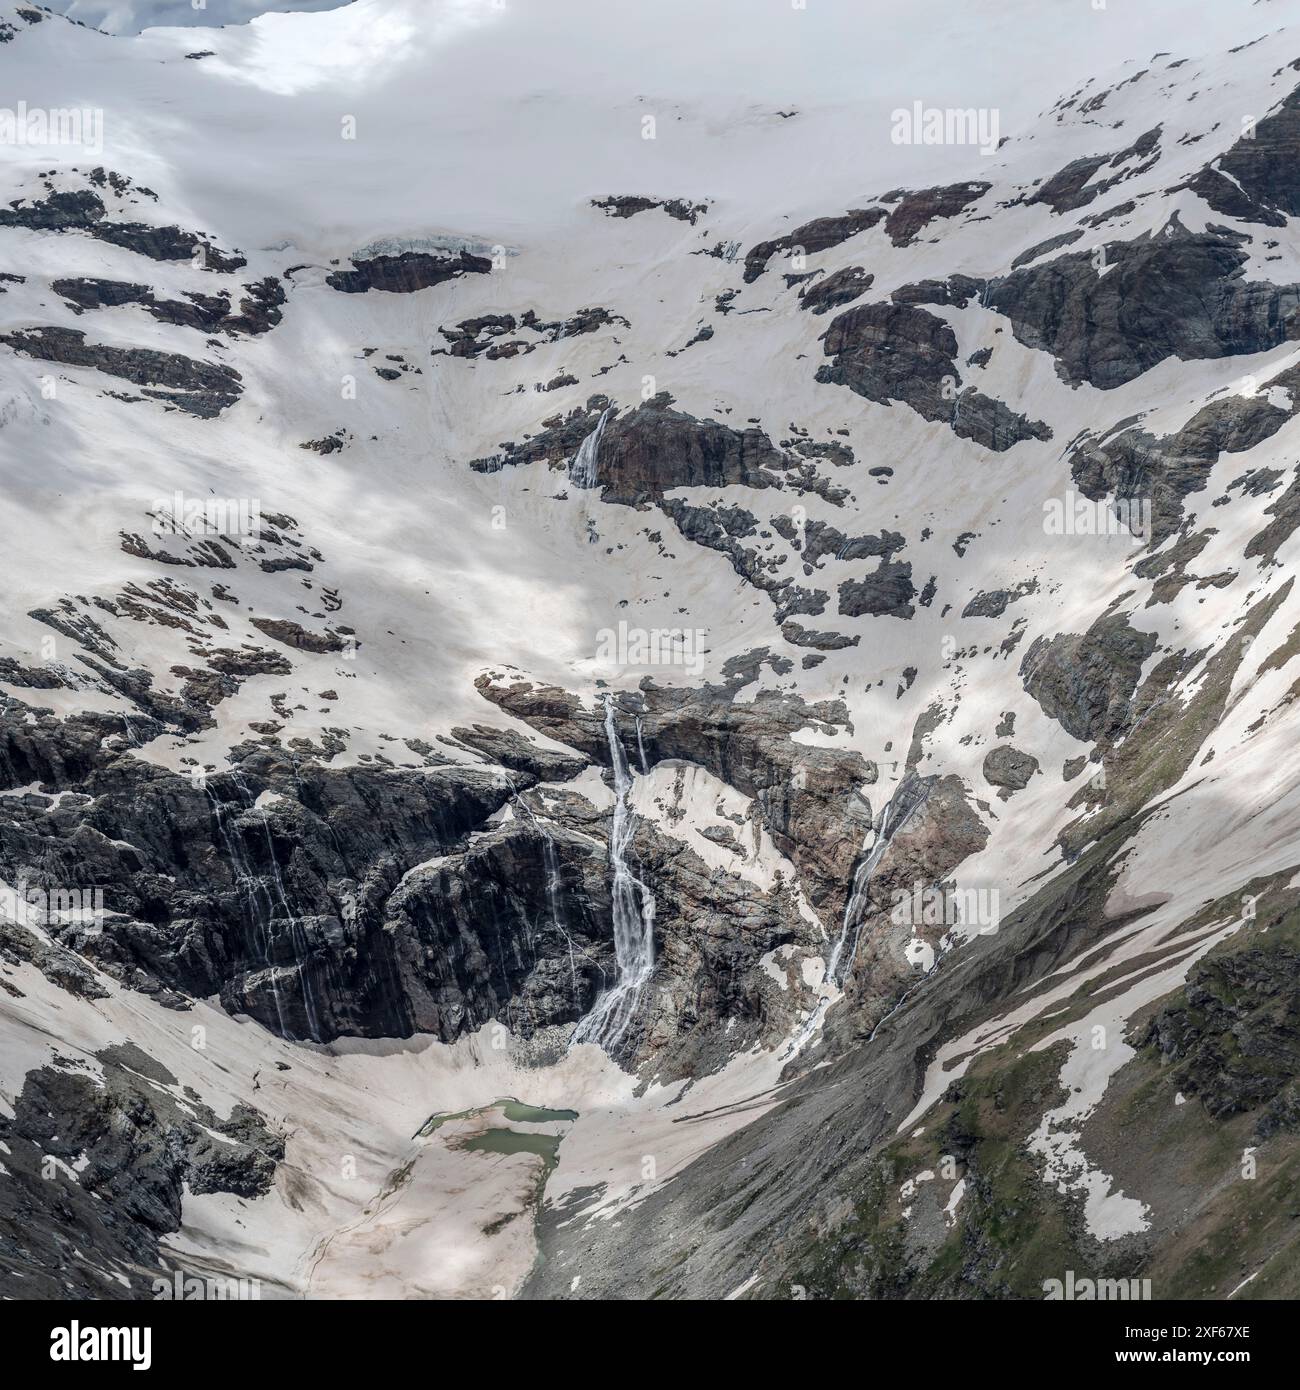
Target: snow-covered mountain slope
[[730, 655]]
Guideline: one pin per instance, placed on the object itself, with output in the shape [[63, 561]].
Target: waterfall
[[252, 884], [554, 895], [296, 933], [248, 884], [582, 471], [908, 798], [634, 914]]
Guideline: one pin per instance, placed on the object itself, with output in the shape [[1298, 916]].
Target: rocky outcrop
[[137, 1149], [842, 287], [1233, 1036], [819, 541], [377, 902], [897, 352], [1087, 682], [508, 748], [914, 210], [1068, 189], [994, 603], [559, 438], [302, 639], [279, 907], [406, 273], [1072, 187], [1136, 466], [654, 448], [819, 235], [887, 592], [199, 388], [494, 336], [84, 211], [1172, 294], [1257, 180], [956, 290], [1008, 769], [257, 312], [1285, 514], [810, 798], [629, 204]]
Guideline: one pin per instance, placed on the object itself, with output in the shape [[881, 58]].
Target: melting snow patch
[[954, 1201]]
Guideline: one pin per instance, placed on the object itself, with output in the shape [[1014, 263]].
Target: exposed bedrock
[[1258, 179], [200, 388], [655, 448], [819, 235], [809, 797], [379, 902], [406, 273], [1136, 466], [908, 213], [888, 591], [258, 310], [842, 287], [1086, 682], [943, 831], [279, 907], [898, 352], [709, 997], [103, 1166], [914, 209], [1008, 769], [1174, 293], [84, 211]]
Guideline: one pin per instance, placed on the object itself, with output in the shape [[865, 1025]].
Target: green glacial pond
[[502, 1140], [532, 1114], [516, 1110], [510, 1141]]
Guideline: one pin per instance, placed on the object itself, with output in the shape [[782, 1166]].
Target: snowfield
[[423, 563]]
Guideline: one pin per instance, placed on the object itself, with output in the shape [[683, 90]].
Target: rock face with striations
[[370, 902]]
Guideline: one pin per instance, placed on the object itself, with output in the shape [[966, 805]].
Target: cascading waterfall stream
[[249, 885], [255, 884], [554, 893], [582, 471], [633, 911], [908, 798]]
